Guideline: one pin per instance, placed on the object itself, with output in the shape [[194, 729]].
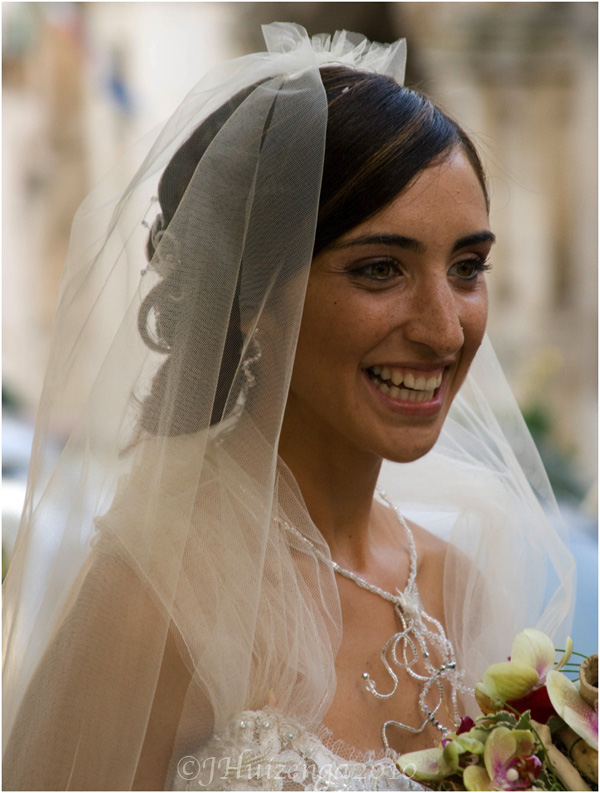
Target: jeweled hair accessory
[[252, 356], [157, 230], [166, 257]]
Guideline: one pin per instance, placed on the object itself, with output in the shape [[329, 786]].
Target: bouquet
[[538, 729]]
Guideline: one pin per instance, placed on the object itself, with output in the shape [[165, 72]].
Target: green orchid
[[509, 762], [458, 750], [426, 765], [505, 749], [497, 759], [504, 682], [532, 657]]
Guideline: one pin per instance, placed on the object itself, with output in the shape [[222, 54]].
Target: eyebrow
[[474, 239], [410, 244]]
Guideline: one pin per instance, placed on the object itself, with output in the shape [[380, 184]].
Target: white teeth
[[397, 377], [404, 394], [420, 396], [433, 383]]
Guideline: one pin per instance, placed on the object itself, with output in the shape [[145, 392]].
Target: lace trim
[[267, 750], [345, 750]]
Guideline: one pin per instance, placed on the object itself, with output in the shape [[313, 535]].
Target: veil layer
[[159, 539]]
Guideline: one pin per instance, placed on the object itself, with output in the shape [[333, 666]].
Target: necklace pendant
[[410, 649]]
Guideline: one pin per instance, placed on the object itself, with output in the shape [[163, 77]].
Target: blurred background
[[81, 81]]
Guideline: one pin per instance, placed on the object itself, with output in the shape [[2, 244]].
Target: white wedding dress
[[267, 750]]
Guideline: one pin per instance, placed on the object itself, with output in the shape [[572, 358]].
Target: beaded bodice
[[267, 750]]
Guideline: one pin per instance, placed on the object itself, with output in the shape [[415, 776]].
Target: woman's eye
[[469, 269], [381, 270]]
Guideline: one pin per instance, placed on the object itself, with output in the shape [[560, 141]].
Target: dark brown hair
[[380, 137]]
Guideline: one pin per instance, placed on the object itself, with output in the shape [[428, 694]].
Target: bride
[[220, 585]]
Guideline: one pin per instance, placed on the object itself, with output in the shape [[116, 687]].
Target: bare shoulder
[[431, 550], [435, 557], [433, 553]]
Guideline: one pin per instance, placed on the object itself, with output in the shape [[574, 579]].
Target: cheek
[[474, 320], [317, 318], [324, 317], [316, 342], [334, 335]]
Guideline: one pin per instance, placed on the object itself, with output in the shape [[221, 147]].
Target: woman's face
[[395, 311]]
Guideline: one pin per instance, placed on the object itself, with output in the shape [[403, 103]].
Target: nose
[[434, 317]]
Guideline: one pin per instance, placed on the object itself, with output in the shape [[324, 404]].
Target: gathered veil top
[[144, 536]]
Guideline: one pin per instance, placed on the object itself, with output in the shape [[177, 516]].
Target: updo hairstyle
[[380, 137]]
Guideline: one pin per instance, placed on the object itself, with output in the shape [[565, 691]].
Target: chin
[[407, 456], [404, 452]]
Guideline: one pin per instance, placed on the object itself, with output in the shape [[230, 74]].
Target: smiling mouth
[[403, 385]]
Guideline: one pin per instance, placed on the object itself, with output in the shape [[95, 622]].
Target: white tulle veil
[[137, 535]]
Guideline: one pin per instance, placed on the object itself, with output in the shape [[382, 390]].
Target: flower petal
[[451, 755], [503, 745], [571, 707], [508, 680], [422, 766], [538, 702], [499, 748], [475, 777], [566, 655], [466, 724], [470, 744], [533, 648], [486, 704], [525, 742]]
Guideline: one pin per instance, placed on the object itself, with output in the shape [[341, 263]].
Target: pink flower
[[466, 725], [509, 762], [521, 772]]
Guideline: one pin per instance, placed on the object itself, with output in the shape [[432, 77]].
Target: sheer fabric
[[143, 547]]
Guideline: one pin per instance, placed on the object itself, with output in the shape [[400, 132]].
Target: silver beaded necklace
[[418, 635]]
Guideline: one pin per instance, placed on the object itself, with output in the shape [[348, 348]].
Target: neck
[[337, 481]]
